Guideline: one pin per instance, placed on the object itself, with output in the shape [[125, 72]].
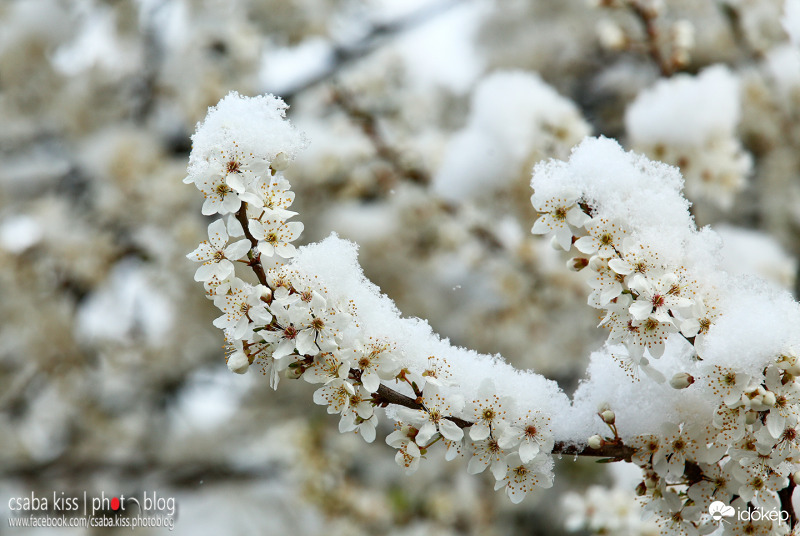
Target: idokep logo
[[719, 511]]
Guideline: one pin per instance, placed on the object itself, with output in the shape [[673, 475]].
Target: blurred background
[[425, 118]]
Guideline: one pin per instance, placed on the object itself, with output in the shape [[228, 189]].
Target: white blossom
[[216, 254]]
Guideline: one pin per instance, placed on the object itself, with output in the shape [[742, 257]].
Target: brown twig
[[255, 258]]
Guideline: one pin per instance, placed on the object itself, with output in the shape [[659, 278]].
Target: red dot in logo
[[114, 503]]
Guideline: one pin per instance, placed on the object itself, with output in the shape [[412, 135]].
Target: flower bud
[[796, 478], [789, 363], [266, 294], [757, 403], [280, 162], [608, 416], [293, 373], [610, 35], [641, 489], [238, 362], [597, 264], [595, 442], [769, 399], [682, 380], [576, 264]]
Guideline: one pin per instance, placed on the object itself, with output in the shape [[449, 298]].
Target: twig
[[648, 18], [255, 258], [785, 496], [18, 386], [345, 54]]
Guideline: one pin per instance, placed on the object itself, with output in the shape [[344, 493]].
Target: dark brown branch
[[785, 496], [255, 258], [617, 451]]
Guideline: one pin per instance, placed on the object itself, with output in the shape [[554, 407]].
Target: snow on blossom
[[254, 125]]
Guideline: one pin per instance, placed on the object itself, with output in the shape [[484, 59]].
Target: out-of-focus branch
[[369, 125], [344, 54], [734, 19], [172, 473], [648, 17], [18, 386]]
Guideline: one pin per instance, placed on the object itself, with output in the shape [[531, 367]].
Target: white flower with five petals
[[531, 435], [242, 306], [216, 255], [557, 215], [275, 236], [433, 418]]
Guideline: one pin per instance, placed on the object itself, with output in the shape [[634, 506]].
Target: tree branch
[[785, 496], [385, 396]]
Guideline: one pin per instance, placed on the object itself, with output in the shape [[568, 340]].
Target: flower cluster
[[606, 511], [643, 299], [289, 323], [661, 303]]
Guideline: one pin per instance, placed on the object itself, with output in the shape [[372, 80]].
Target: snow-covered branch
[[695, 384]]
